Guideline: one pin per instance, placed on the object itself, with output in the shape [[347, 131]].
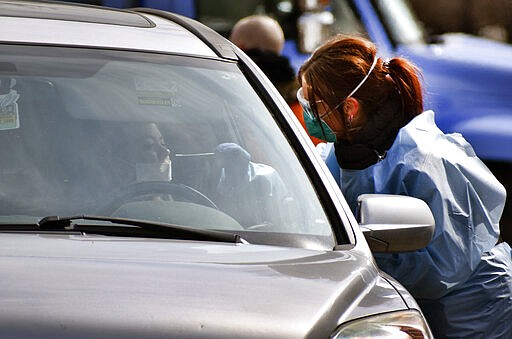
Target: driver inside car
[[250, 192], [139, 154], [125, 154]]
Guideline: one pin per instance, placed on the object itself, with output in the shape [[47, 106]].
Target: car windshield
[[165, 138]]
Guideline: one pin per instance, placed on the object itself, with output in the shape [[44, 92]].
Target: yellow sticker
[[9, 118]]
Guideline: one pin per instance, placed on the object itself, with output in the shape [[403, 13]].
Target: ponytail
[[347, 66], [406, 77]]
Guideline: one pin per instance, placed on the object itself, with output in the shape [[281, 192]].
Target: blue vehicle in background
[[468, 80]]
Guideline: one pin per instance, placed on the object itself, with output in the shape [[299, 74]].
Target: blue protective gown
[[462, 279]]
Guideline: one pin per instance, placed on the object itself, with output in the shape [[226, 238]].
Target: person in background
[[262, 39], [386, 143]]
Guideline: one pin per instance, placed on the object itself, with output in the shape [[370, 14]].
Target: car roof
[[59, 23]]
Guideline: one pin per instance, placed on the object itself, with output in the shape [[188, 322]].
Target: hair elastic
[[366, 77]]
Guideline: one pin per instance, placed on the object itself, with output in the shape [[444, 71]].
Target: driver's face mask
[[154, 171], [315, 127]]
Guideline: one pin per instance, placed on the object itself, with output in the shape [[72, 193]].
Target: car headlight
[[403, 324]]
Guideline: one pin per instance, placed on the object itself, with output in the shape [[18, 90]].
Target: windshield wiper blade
[[55, 222]]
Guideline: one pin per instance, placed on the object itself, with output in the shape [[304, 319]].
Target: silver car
[[153, 183]]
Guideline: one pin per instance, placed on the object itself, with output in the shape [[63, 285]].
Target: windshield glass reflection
[[151, 137]]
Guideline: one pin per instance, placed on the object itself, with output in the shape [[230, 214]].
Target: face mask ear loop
[[365, 78]]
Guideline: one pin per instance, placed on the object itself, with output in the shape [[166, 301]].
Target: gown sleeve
[[466, 200]]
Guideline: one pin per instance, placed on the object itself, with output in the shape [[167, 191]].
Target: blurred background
[[487, 18]]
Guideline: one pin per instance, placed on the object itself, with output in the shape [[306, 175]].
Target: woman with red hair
[[372, 111]]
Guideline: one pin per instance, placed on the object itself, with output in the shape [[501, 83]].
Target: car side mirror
[[395, 223]]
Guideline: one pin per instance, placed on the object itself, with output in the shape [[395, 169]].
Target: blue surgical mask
[[315, 127]]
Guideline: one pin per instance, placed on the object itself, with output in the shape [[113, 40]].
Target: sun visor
[[132, 97]]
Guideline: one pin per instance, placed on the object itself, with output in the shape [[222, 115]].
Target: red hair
[[338, 66]]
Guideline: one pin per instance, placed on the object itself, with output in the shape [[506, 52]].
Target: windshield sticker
[[9, 117], [156, 93]]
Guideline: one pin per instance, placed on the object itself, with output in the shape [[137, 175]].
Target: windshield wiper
[[173, 231]]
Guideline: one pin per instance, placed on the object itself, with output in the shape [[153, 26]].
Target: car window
[[147, 136]]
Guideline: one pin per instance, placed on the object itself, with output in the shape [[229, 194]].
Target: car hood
[[58, 285]]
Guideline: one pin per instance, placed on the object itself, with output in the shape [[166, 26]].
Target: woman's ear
[[351, 108]]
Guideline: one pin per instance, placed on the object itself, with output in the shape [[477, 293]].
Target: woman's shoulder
[[421, 142], [423, 134], [421, 128]]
